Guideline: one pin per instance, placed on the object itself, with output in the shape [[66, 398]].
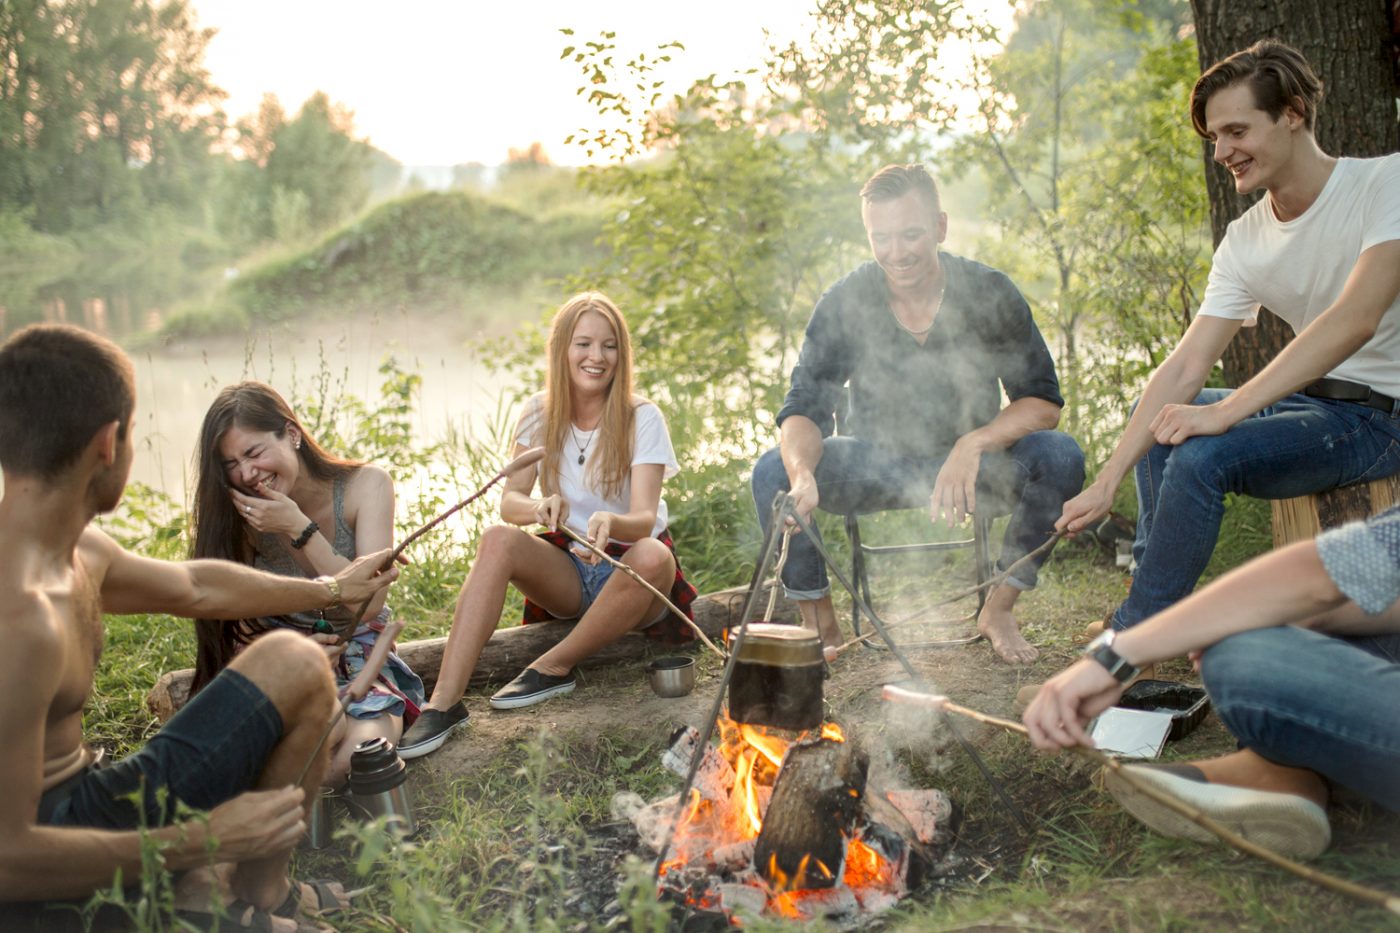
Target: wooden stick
[[375, 662], [1359, 892], [528, 459], [575, 536], [995, 581]]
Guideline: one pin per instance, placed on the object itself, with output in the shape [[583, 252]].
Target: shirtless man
[[67, 827]]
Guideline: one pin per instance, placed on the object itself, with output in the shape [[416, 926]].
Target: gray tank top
[[273, 554]]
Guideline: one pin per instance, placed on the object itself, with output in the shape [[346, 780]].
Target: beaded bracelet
[[305, 536]]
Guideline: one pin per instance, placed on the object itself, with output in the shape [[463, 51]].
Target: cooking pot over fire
[[777, 678]]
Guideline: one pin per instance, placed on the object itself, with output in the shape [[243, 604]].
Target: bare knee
[[498, 544], [293, 672], [652, 559]]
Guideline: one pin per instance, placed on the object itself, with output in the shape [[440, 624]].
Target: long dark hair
[[215, 528]]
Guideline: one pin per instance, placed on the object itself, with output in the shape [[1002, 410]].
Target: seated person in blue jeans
[[927, 341], [1302, 661], [67, 402], [1321, 250]]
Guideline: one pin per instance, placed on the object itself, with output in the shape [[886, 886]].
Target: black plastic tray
[[1187, 704]]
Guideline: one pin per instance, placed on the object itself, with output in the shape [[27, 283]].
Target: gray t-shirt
[[1363, 559]]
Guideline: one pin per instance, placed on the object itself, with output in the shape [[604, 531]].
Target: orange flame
[[756, 754], [865, 867]]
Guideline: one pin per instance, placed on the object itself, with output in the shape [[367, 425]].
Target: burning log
[[926, 811], [817, 904], [815, 804], [715, 777]]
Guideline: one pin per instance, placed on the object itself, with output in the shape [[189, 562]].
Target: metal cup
[[321, 827], [377, 785]]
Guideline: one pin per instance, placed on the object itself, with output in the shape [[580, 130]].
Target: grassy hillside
[[433, 251]]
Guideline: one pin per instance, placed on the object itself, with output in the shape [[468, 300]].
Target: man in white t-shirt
[[1321, 250]]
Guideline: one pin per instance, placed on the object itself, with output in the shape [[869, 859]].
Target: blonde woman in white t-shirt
[[606, 454]]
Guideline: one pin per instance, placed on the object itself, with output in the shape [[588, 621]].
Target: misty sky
[[438, 82]]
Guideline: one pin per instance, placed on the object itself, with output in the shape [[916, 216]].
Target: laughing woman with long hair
[[607, 452], [267, 494]]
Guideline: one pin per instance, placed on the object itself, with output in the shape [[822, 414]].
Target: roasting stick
[[995, 581], [384, 644], [575, 536], [1371, 896]]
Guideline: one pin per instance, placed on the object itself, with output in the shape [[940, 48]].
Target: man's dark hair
[[895, 181], [1278, 74], [58, 386]]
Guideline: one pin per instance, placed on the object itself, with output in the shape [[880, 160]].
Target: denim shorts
[[592, 578], [211, 751]]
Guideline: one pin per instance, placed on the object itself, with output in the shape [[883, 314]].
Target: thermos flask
[[378, 785]]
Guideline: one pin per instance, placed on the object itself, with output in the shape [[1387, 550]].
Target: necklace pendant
[[580, 459]]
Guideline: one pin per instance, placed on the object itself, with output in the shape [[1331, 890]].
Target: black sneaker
[[530, 687], [431, 729]]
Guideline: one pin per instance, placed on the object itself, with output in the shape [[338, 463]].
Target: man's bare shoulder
[[97, 551], [32, 629]]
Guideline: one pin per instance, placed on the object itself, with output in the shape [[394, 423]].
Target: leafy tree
[[107, 108], [299, 176], [720, 243], [1052, 121]]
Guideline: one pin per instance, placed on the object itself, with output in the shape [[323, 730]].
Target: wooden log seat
[[1303, 517], [510, 649]]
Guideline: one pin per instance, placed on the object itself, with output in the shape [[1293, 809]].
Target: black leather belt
[[1340, 390]]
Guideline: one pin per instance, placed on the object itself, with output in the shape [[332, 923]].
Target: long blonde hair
[[610, 460]]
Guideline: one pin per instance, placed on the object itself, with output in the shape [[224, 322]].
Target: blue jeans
[[1032, 480], [1308, 700], [1296, 446]]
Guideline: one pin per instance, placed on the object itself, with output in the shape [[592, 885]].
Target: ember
[[780, 823]]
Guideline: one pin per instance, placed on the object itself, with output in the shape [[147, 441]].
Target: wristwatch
[[333, 585], [1101, 650]]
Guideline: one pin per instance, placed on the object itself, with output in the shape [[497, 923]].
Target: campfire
[[783, 824]]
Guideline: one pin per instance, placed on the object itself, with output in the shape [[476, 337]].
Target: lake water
[[176, 382]]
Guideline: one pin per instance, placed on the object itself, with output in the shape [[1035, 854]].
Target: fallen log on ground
[[510, 649]]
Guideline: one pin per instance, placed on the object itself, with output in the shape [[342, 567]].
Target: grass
[[524, 840]]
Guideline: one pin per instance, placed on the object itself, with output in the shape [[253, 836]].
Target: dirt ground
[[620, 695], [909, 748]]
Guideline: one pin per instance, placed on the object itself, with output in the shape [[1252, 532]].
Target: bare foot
[[999, 627], [1244, 768]]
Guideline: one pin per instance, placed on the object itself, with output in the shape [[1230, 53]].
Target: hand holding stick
[[1225, 834], [619, 565]]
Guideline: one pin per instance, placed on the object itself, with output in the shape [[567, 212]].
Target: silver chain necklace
[[583, 450], [937, 306]]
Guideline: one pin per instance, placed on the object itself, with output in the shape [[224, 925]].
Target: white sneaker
[[1284, 823]]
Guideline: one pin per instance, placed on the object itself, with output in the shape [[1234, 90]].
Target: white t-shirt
[[1297, 268], [651, 443]]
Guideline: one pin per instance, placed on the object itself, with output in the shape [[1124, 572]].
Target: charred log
[[813, 811]]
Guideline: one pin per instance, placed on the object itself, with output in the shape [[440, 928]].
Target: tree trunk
[[1348, 42]]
